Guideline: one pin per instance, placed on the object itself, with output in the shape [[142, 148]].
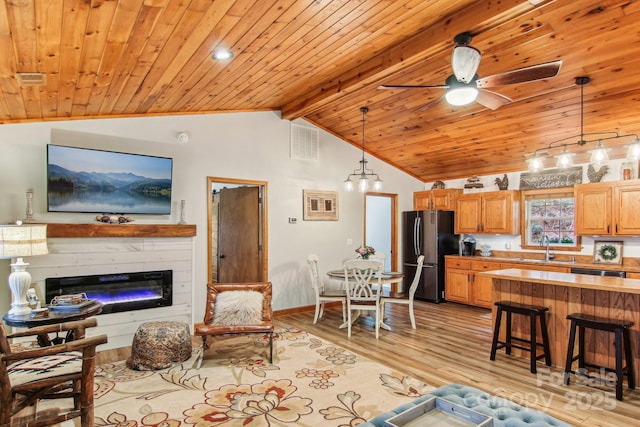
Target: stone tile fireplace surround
[[126, 248]]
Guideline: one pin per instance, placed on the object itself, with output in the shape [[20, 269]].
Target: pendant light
[[363, 174], [599, 154]]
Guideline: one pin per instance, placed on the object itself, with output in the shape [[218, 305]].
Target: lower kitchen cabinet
[[464, 285], [456, 286]]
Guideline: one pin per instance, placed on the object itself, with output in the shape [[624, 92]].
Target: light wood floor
[[451, 345]]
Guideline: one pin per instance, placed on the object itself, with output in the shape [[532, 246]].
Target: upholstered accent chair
[[236, 308], [64, 370]]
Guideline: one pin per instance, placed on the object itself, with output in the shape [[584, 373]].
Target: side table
[[53, 317]]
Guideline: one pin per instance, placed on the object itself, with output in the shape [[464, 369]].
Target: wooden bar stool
[[532, 312], [622, 339]]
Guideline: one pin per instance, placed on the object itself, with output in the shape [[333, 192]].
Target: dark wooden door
[[239, 235]]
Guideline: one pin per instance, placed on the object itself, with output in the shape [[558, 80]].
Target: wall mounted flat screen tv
[[97, 181]]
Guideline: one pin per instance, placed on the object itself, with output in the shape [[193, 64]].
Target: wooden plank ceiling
[[324, 59]]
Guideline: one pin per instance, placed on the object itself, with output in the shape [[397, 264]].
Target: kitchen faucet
[[545, 241]]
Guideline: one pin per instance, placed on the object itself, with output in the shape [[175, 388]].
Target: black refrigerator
[[428, 233]]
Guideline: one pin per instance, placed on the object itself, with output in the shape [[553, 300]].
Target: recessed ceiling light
[[222, 55]]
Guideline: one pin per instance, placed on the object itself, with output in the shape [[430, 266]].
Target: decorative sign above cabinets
[[552, 178]]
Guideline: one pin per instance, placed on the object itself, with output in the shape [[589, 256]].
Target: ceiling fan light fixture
[[461, 95], [465, 61]]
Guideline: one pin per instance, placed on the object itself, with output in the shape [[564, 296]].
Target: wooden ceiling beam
[[475, 18]]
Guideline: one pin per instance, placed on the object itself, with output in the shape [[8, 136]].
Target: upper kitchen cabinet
[[495, 212], [608, 208], [438, 199]]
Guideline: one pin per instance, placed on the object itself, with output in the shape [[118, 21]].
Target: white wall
[[252, 146]]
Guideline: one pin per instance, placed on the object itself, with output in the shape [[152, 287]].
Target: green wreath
[[608, 252]]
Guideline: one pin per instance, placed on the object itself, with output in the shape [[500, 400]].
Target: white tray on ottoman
[[437, 412]]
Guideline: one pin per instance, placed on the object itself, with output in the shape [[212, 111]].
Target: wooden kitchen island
[[566, 293]]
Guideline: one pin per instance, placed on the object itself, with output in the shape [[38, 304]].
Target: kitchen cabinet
[[457, 280], [438, 199], [464, 285], [495, 212], [482, 287], [608, 208]]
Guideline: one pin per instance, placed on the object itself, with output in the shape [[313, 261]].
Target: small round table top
[[53, 316]]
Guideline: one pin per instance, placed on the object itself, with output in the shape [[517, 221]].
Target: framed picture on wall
[[320, 205], [606, 252]]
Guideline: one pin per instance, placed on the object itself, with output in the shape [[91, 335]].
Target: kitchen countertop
[[559, 263], [581, 281]]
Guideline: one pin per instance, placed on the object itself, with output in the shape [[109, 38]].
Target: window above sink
[[550, 213]]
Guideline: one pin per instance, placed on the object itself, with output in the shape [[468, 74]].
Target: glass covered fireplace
[[118, 292]]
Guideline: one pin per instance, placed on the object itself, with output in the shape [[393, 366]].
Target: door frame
[[393, 225], [264, 221]]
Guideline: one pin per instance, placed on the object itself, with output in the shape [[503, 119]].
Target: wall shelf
[[120, 230]]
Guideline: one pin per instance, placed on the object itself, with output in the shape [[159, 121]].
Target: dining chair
[[363, 281], [61, 371], [405, 298], [323, 295]]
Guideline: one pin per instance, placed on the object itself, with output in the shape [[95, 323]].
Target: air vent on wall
[[305, 143], [30, 79]]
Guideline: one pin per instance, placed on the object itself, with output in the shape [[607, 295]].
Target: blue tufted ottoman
[[504, 412]]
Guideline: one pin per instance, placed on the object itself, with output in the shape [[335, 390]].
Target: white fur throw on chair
[[238, 308]]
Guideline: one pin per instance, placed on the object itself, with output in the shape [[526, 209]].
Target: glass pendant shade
[[363, 184], [348, 184], [377, 184], [465, 61], [633, 151], [599, 155], [565, 160], [536, 164]]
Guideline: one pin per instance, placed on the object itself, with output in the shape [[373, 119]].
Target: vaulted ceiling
[[322, 60]]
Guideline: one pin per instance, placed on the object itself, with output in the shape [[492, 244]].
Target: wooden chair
[[405, 298], [363, 281], [324, 295], [236, 308], [68, 372]]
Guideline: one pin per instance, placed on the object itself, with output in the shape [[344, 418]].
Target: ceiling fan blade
[[412, 87], [428, 105], [492, 100], [522, 75]]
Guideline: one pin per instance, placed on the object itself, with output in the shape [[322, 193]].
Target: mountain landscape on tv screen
[[107, 192]]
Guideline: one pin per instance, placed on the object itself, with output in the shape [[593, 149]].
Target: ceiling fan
[[464, 86]]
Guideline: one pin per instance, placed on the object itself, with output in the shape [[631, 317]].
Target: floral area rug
[[312, 382]]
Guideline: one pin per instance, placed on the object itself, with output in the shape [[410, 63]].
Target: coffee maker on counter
[[469, 246]]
